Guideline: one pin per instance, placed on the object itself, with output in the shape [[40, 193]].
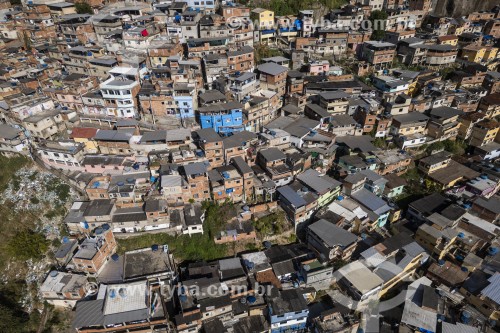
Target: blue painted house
[[288, 311], [185, 99], [224, 118]]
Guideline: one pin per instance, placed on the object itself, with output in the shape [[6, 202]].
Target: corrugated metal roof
[[458, 328], [89, 313], [291, 196], [492, 291], [332, 234]]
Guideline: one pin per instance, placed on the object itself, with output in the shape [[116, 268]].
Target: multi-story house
[[160, 49], [63, 289], [95, 251], [241, 60], [409, 128], [62, 154], [440, 55], [273, 161], [298, 204], [211, 144], [492, 82], [467, 122], [105, 25], [331, 241], [44, 125], [248, 176], [77, 59], [242, 144], [265, 24], [400, 105], [288, 311], [273, 77], [224, 118], [185, 101], [242, 85], [260, 110], [484, 132], [378, 54], [326, 188], [197, 180], [114, 308], [119, 93], [335, 103], [114, 142], [216, 65], [175, 189], [492, 28], [68, 92], [12, 141], [226, 183], [101, 66], [490, 105], [434, 162], [479, 54], [443, 123], [378, 210]]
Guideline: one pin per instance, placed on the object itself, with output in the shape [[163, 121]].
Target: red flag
[[144, 33]]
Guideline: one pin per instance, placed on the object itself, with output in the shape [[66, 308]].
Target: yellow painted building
[[263, 18], [448, 40], [479, 54]]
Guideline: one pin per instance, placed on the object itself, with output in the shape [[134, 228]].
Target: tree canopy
[[83, 8]]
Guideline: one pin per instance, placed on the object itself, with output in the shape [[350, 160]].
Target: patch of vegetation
[[378, 30], [272, 224], [62, 190], [285, 7], [185, 247], [380, 143], [27, 245], [456, 147], [262, 51], [251, 246], [58, 210], [9, 168], [83, 8]]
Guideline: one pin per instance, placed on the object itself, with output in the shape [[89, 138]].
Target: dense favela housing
[[260, 166]]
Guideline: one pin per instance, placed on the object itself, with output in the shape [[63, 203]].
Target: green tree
[[83, 8], [379, 143], [262, 51], [376, 17], [27, 245]]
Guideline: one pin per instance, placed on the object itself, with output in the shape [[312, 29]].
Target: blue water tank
[[465, 317]]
